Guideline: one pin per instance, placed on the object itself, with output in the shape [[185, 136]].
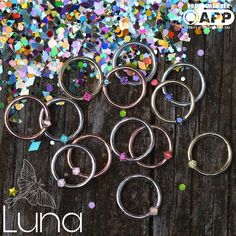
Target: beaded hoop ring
[[203, 83], [193, 163], [149, 50], [144, 87], [75, 171], [153, 210], [67, 92], [80, 123], [109, 158], [179, 119], [167, 154], [123, 156], [45, 123]]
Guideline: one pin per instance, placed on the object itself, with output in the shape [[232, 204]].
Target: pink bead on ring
[[166, 154]]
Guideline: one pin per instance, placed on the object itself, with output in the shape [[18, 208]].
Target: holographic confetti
[[34, 146], [41, 36]]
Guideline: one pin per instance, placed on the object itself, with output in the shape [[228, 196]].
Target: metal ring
[[60, 78], [55, 157], [193, 163], [45, 123], [203, 83], [152, 211], [179, 119], [144, 87], [79, 111], [109, 159], [150, 51], [167, 154], [123, 156]]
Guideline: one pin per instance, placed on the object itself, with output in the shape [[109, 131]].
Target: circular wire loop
[[45, 123], [153, 210], [149, 50], [122, 122], [193, 163], [167, 154], [69, 146], [66, 91], [77, 108], [159, 115], [108, 149], [144, 87], [203, 83]]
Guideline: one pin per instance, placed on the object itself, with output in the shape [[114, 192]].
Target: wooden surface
[[206, 207]]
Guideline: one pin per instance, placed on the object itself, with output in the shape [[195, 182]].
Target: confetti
[[42, 36], [87, 97], [182, 187], [64, 139], [123, 113], [12, 191], [91, 205], [34, 146], [154, 82], [200, 52]]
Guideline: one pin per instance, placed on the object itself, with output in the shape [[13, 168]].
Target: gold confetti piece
[[127, 39], [12, 191], [48, 98], [19, 106], [60, 103], [148, 12], [141, 65], [163, 43], [124, 23]]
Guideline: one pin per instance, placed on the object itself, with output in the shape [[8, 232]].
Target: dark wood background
[[206, 207]]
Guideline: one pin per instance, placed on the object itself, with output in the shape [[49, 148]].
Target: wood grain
[[206, 207]]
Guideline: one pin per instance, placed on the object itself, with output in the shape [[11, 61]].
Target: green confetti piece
[[80, 64], [58, 3], [206, 31], [54, 52], [109, 68], [123, 113], [182, 187], [24, 41], [2, 105]]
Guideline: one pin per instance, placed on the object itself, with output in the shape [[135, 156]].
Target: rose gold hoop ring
[[45, 123], [166, 154], [88, 136]]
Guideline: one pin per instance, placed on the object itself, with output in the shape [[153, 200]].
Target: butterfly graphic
[[31, 189]]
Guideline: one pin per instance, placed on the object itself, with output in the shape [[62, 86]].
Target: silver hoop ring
[[108, 149], [153, 210], [66, 91], [62, 149], [79, 111], [179, 119], [193, 163], [45, 123], [167, 155], [203, 82], [150, 51], [144, 87], [123, 156]]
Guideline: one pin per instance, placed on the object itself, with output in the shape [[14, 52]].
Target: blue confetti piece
[[34, 146]]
